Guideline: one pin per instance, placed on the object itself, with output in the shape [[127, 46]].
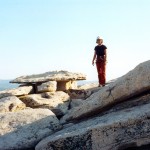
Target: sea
[[5, 85]]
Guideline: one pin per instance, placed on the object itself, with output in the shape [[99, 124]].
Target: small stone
[[50, 86]]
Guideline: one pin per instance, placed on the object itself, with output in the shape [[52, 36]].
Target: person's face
[[99, 41]]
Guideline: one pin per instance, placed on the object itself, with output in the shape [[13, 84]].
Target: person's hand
[[93, 63]]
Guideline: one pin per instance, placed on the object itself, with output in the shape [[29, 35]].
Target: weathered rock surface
[[73, 85], [131, 84], [65, 85], [88, 86], [11, 104], [118, 130], [23, 90], [132, 102], [56, 101], [76, 102], [114, 117], [24, 129], [79, 93], [49, 86], [50, 76], [93, 86]]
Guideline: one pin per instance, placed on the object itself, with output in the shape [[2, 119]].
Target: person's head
[[99, 40]]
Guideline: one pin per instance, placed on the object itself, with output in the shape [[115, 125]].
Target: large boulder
[[11, 104], [56, 101], [50, 76], [23, 90], [129, 85], [114, 131], [24, 129]]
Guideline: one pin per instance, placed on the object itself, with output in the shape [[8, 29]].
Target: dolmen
[[51, 81], [77, 117]]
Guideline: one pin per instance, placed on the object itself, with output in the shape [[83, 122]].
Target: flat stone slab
[[50, 76], [19, 91]]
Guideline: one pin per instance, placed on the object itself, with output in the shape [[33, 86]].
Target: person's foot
[[101, 85]]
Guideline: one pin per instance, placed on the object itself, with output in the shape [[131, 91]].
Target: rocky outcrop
[[24, 129], [11, 104], [56, 101], [112, 131], [131, 84], [23, 90], [114, 117], [50, 76]]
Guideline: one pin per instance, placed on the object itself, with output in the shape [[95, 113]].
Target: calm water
[[4, 85]]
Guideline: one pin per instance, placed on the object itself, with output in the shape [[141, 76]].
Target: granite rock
[[25, 128], [55, 101], [23, 90], [11, 104], [112, 131], [49, 86], [129, 85]]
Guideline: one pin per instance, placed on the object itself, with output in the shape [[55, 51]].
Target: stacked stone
[[31, 111]]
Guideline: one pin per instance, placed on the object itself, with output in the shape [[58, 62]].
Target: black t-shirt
[[100, 50]]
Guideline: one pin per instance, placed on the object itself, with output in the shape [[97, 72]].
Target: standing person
[[100, 55]]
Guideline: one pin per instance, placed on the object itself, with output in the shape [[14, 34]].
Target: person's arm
[[105, 52], [94, 58]]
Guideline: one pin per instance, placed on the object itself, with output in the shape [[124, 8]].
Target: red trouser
[[101, 70]]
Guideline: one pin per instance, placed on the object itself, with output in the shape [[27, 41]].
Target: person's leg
[[103, 73], [98, 66]]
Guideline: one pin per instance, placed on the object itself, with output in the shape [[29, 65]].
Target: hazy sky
[[37, 36]]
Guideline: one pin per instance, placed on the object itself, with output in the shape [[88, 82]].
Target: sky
[[38, 36]]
